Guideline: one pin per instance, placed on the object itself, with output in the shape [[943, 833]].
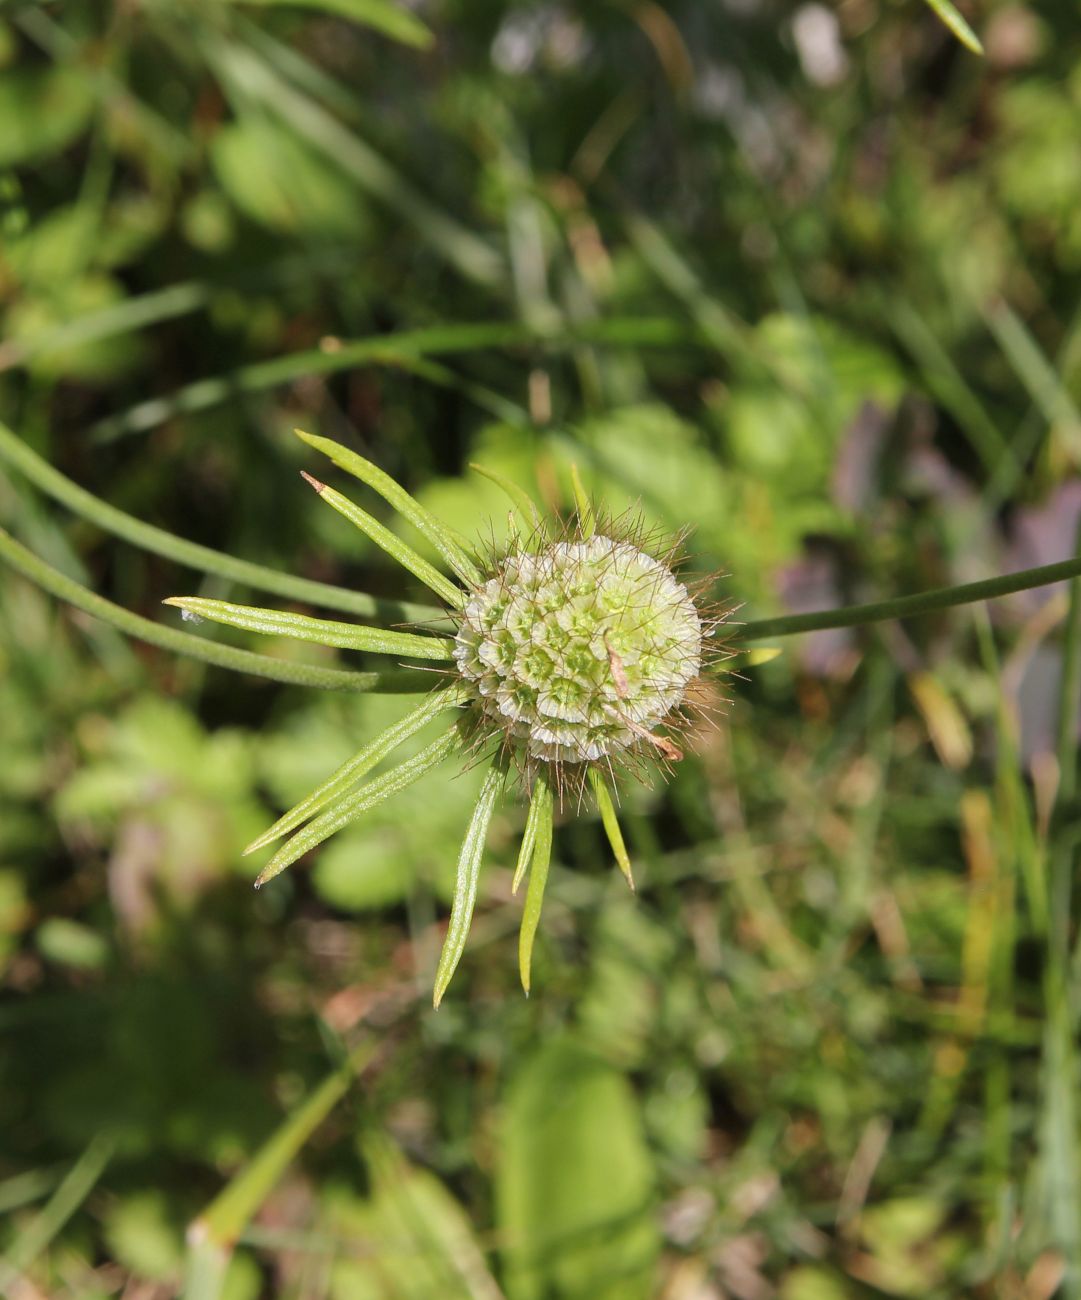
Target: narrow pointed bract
[[611, 823], [343, 636], [538, 878], [465, 885]]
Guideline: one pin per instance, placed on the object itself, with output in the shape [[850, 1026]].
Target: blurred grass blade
[[523, 502], [388, 19], [586, 519], [1037, 375], [397, 497], [537, 804], [399, 349], [948, 384], [363, 761], [611, 823], [1069, 703], [344, 636], [538, 878], [32, 1240], [953, 20], [405, 681], [49, 480], [465, 886], [212, 1236], [386, 541], [253, 77], [350, 807]]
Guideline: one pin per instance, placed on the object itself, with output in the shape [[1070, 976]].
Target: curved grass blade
[[611, 823], [16, 453], [523, 502], [345, 636], [465, 886], [586, 520], [363, 761], [953, 20], [385, 539], [529, 835], [390, 19], [353, 805], [395, 495], [407, 681], [538, 878]]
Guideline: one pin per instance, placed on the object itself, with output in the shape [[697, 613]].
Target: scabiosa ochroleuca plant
[[576, 655]]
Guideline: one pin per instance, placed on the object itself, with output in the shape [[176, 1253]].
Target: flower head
[[576, 654]]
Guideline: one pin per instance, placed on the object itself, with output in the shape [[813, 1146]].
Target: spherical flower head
[[577, 649]]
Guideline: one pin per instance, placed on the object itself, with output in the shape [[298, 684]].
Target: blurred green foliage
[[802, 278]]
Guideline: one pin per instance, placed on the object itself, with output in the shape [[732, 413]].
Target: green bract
[[568, 654]]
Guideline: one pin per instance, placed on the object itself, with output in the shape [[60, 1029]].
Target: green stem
[[924, 602], [49, 480], [245, 661], [1070, 691]]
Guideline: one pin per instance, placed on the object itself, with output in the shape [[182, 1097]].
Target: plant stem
[[64, 588], [49, 480], [924, 602]]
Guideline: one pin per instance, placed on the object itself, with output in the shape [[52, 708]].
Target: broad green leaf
[[386, 540], [363, 761], [953, 20], [277, 180], [393, 493], [574, 1184], [465, 889], [351, 806], [42, 110], [538, 878], [345, 636], [390, 19], [611, 823]]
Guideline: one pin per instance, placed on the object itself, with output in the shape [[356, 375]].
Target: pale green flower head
[[574, 654]]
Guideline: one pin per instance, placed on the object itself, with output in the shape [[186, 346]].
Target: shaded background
[[803, 277]]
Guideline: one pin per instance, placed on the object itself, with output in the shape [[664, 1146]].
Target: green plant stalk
[[212, 1236], [924, 602], [17, 454], [404, 681]]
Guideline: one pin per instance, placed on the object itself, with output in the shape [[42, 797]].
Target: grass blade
[[16, 453], [73, 1190], [393, 546], [213, 1234], [345, 636], [538, 878], [465, 887], [1037, 374], [406, 681], [363, 761], [397, 497], [353, 805], [388, 19], [953, 20], [611, 823]]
